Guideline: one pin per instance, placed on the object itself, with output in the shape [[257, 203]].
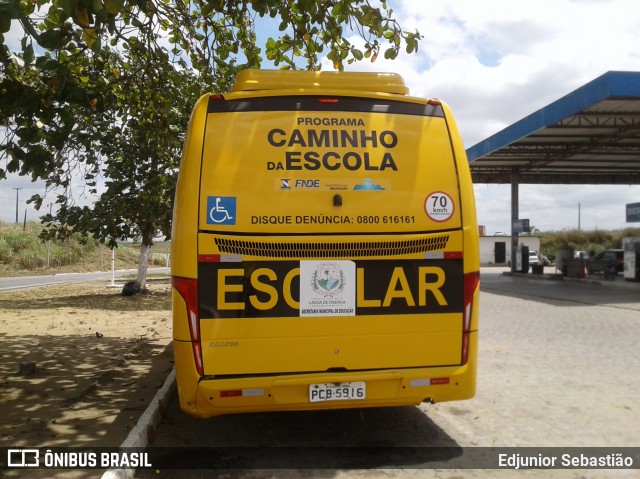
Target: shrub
[[5, 251], [62, 255], [158, 259], [30, 259]]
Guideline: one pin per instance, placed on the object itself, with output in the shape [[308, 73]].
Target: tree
[[102, 88], [141, 145]]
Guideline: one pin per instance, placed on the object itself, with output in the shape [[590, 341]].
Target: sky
[[494, 62]]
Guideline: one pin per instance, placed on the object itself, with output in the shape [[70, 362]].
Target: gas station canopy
[[590, 136]]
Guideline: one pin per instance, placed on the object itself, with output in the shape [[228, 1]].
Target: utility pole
[[17, 192], [578, 216]]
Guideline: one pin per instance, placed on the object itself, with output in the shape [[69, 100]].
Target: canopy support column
[[514, 217]]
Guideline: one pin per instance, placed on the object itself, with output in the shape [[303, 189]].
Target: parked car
[[580, 255], [533, 258], [609, 262]]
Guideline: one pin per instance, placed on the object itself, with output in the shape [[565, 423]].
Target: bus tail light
[[471, 282], [188, 289]]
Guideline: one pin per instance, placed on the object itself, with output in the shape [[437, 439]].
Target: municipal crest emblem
[[328, 279]]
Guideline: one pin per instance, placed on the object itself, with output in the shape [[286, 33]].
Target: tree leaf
[[51, 39], [27, 54], [5, 24]]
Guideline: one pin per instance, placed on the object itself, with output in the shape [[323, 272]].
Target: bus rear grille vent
[[331, 250]]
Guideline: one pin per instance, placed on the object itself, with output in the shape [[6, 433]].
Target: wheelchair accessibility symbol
[[221, 210]]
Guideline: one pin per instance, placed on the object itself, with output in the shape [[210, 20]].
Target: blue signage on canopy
[[633, 213], [520, 226]]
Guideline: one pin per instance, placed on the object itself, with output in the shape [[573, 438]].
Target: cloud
[[495, 62]]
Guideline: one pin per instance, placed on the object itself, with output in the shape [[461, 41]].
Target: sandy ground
[[99, 359]]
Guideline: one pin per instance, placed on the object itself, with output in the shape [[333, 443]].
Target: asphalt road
[[23, 282], [558, 367]]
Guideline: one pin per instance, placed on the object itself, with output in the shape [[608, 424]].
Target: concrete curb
[[143, 431]]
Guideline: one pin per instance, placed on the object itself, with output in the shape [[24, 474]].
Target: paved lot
[[558, 367]]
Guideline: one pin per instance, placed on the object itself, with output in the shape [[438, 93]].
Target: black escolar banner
[[253, 289]]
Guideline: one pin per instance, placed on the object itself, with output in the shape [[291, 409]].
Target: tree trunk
[[143, 262]]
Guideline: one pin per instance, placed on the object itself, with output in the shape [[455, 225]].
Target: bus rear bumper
[[204, 397]]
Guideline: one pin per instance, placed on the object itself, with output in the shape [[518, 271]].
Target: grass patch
[[22, 252]]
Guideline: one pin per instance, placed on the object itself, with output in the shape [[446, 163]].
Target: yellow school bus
[[325, 248]]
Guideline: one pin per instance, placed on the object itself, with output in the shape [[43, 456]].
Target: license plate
[[337, 391]]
